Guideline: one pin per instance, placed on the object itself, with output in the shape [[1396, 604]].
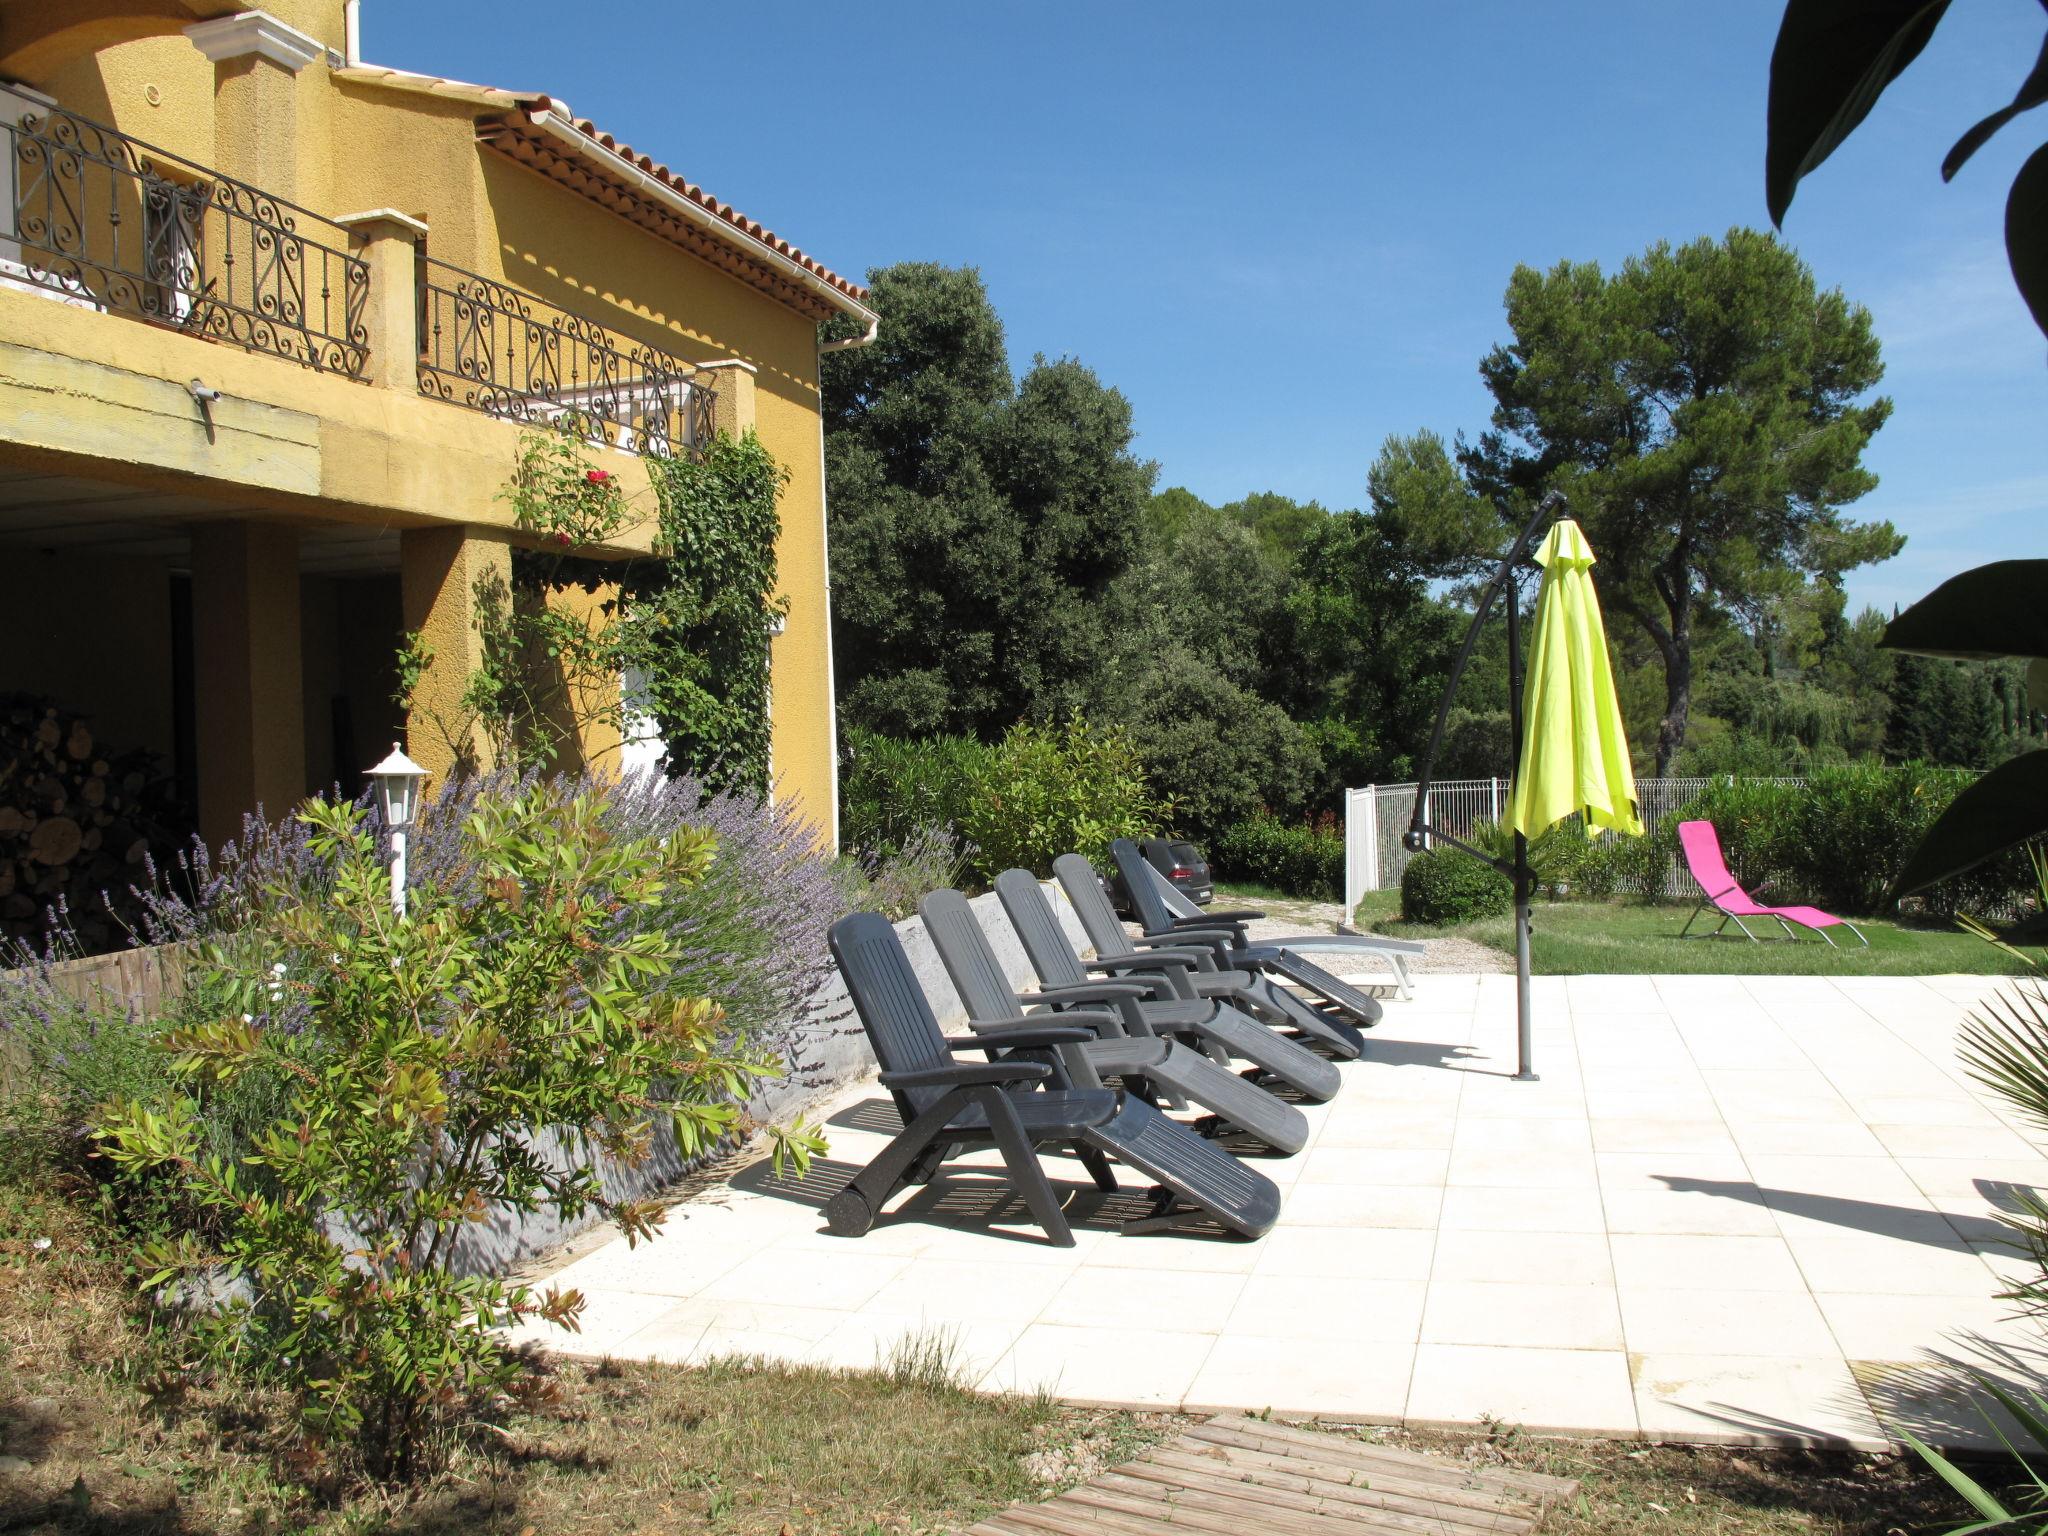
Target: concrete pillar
[[390, 246], [441, 571], [733, 379], [248, 700], [256, 61]]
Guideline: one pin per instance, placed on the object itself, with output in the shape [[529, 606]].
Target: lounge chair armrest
[[1156, 941], [1088, 992], [1157, 960], [1211, 916], [1228, 938], [1031, 1031], [967, 1074]]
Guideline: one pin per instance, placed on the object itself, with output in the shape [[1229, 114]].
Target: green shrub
[[1840, 838], [892, 792], [1445, 886], [1574, 867], [1301, 858], [418, 1054], [1047, 790]]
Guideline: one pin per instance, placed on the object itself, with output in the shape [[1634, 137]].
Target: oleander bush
[[1840, 838], [1301, 858], [1444, 886], [1041, 791]]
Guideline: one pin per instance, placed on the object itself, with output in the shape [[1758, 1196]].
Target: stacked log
[[78, 824]]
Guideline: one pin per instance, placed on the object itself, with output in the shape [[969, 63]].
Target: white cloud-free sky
[[1284, 230]]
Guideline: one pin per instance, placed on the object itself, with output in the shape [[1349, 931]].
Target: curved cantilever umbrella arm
[[1503, 573]]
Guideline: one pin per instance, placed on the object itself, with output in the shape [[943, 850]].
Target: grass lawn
[[1635, 937]]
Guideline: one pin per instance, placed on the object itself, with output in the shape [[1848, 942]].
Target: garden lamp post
[[398, 779]]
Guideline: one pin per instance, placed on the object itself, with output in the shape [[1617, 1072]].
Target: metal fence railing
[[1377, 816], [508, 353], [105, 221]]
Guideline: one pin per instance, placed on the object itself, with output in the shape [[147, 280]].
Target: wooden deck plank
[[1321, 1439], [1237, 1476], [1422, 1514], [1391, 1477]]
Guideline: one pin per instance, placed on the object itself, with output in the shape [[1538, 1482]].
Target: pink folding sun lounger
[[1702, 845]]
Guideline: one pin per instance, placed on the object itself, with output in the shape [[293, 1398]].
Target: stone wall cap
[[257, 32], [369, 216]]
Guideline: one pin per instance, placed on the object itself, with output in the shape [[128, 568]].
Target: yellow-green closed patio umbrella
[[1574, 752]]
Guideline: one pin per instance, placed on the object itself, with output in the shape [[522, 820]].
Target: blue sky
[[1283, 231]]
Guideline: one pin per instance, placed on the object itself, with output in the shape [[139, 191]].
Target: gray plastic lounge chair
[[1361, 946], [1016, 1104], [1214, 1027], [1192, 966], [1226, 931], [1150, 1067]]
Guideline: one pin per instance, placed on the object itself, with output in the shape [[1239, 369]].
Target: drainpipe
[[845, 343], [351, 33]]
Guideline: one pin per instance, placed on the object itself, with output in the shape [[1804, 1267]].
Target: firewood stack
[[77, 823]]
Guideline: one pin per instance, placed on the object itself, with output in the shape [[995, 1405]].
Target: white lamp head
[[398, 779]]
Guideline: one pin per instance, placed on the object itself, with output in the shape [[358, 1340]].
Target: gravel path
[[1285, 916]]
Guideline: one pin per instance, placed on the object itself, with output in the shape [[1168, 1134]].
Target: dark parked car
[[1183, 864]]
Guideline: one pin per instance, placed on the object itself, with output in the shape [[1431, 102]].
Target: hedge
[[1300, 858]]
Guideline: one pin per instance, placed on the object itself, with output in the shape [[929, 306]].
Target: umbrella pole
[[1524, 877]]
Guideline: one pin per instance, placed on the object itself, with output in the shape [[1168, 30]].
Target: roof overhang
[[541, 134]]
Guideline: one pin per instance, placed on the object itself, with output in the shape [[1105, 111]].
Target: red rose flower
[[597, 476], [563, 539]]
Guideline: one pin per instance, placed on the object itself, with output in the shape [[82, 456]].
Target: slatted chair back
[[1136, 874], [892, 1006], [985, 990], [1038, 929], [1099, 921]]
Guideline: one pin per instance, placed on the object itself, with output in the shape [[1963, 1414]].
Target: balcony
[[105, 221], [510, 354]]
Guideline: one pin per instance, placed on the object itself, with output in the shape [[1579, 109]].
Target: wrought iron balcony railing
[[107, 221], [508, 353]]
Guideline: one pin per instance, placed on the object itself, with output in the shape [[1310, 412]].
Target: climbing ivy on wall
[[691, 624]]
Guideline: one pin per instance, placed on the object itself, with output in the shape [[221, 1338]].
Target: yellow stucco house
[[271, 320]]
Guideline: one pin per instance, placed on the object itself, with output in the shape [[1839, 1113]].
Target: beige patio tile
[[658, 1268], [1395, 1166], [843, 1281], [1974, 1179], [1177, 1250], [1753, 1399], [1521, 1135], [960, 1291], [1888, 1266], [1300, 1307], [704, 1330], [1724, 1209], [1696, 1103], [1473, 1209], [1885, 1105], [1534, 1258], [1789, 1138], [1956, 1141], [1428, 1131], [1484, 1168], [1363, 1253], [1663, 1134], [1112, 1365], [1363, 1205], [1846, 1178], [1644, 1261], [1195, 1301], [609, 1319], [1531, 1316], [1914, 1328], [1663, 1320], [869, 1339], [1333, 1374], [1581, 1390], [1660, 1173]]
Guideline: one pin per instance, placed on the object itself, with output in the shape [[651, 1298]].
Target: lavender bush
[[750, 934]]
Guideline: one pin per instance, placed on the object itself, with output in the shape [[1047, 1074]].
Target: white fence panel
[[1376, 817]]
